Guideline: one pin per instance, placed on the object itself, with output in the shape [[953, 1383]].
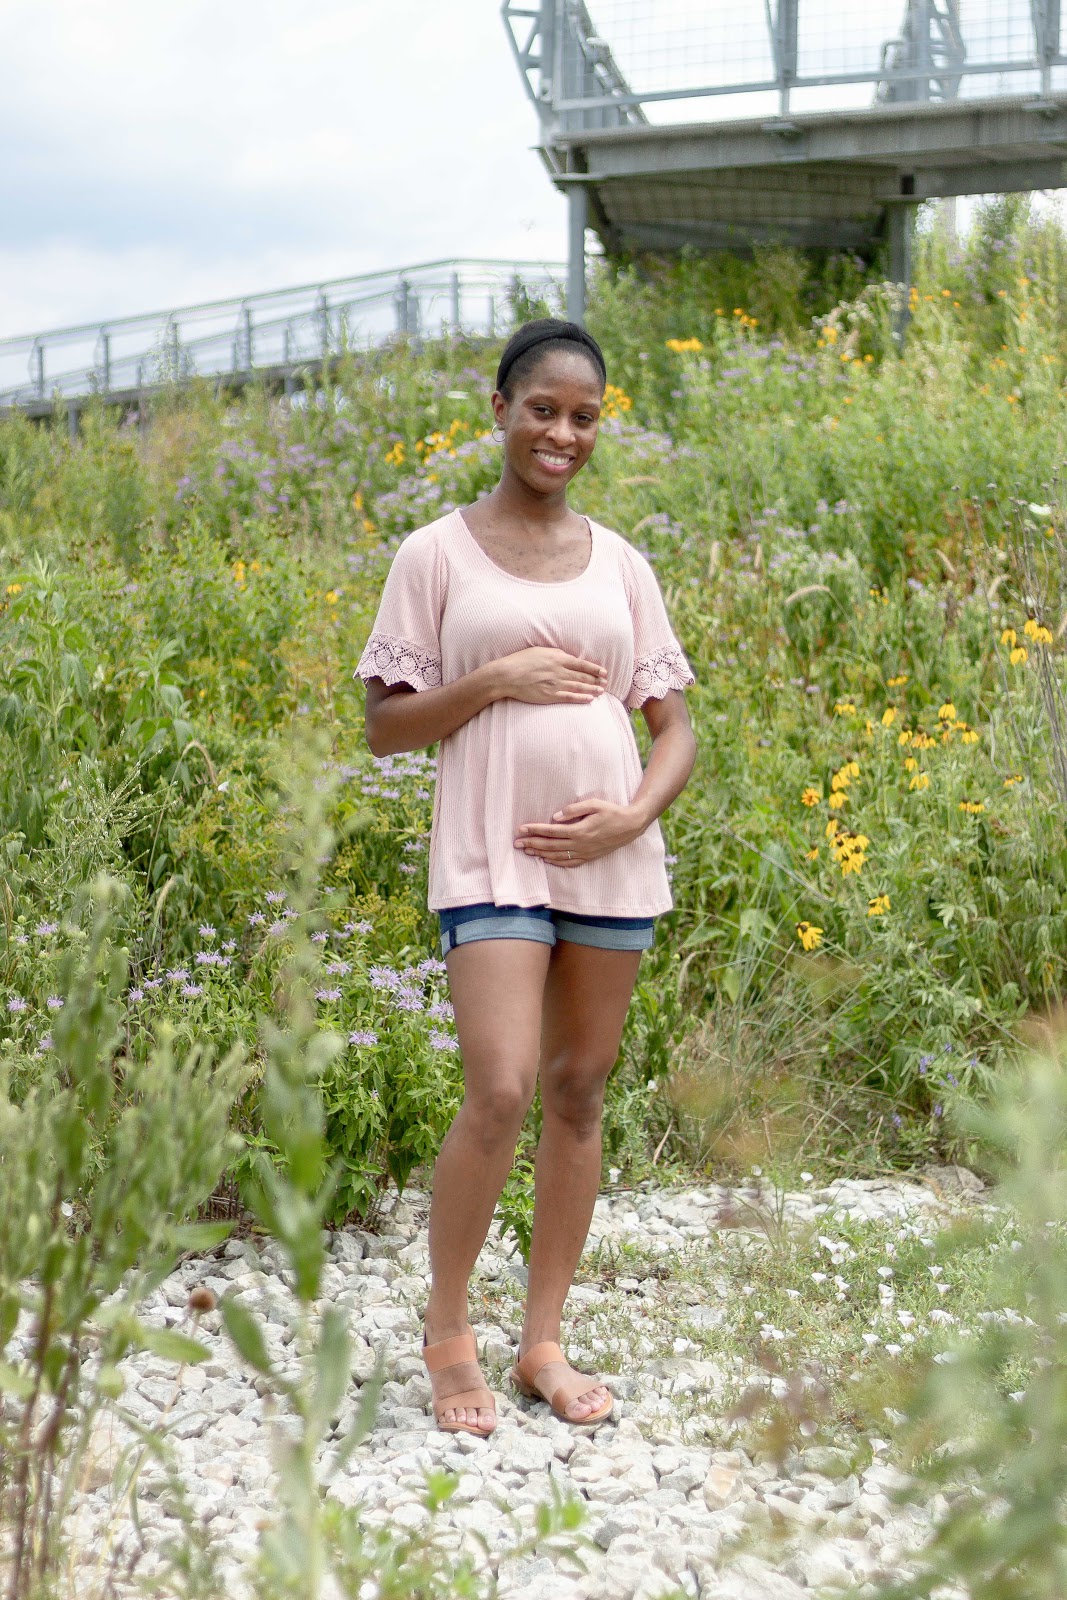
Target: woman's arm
[[399, 717], [590, 828]]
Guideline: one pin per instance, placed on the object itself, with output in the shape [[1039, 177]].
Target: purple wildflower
[[256, 919], [408, 1000], [275, 897], [384, 978], [153, 983], [327, 994], [363, 1036], [276, 929], [441, 1011], [178, 975], [441, 1041], [54, 1002], [206, 931], [135, 995], [939, 1110], [190, 991], [43, 929], [319, 938], [44, 1043], [338, 969], [17, 1003]]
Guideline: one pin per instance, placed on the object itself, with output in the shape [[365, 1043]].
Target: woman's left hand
[[580, 832]]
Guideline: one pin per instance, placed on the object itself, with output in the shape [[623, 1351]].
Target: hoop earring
[[503, 436]]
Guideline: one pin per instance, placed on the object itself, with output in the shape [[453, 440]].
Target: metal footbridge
[[283, 338], [816, 123]]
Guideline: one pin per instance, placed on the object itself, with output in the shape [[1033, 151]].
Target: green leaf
[[331, 1362], [171, 1345], [12, 1381], [200, 1236], [246, 1334]]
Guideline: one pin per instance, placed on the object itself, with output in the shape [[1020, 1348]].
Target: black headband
[[540, 332]]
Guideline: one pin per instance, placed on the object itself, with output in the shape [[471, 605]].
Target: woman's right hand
[[543, 676]]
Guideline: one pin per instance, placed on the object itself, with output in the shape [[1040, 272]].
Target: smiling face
[[551, 420]]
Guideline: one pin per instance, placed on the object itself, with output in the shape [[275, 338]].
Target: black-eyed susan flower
[[833, 827], [974, 807], [845, 708], [878, 906], [1009, 637], [809, 936], [810, 796], [1010, 782], [905, 736], [889, 716], [969, 735], [813, 854], [920, 780], [1018, 656], [923, 740], [947, 712], [838, 800], [910, 764], [895, 683]]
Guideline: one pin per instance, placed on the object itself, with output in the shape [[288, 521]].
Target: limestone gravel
[[664, 1516]]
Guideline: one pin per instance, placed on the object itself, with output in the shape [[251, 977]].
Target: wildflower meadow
[[220, 987]]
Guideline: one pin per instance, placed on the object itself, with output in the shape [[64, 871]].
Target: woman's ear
[[499, 405]]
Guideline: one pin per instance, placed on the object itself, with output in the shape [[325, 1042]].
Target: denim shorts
[[465, 924]]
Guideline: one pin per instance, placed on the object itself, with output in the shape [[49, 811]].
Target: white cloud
[[165, 153]]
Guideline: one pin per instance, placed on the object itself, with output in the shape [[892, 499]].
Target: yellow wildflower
[[921, 780], [910, 764], [1042, 635], [1009, 637], [254, 566], [970, 735], [832, 827], [13, 588], [844, 708], [895, 683], [395, 456], [813, 855], [904, 736], [357, 499], [331, 597], [878, 906], [1016, 777], [1018, 656], [809, 936], [368, 526], [239, 573], [837, 800], [810, 796], [1030, 627], [975, 807], [852, 863], [840, 780], [681, 346], [889, 716], [947, 712], [923, 741], [616, 401]]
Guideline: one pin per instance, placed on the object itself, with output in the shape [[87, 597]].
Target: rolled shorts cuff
[[543, 925]]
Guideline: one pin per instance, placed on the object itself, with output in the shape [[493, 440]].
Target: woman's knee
[[494, 1112], [573, 1092]]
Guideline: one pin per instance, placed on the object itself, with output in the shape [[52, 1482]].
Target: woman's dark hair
[[530, 344]]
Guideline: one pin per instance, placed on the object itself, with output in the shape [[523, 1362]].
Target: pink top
[[448, 608]]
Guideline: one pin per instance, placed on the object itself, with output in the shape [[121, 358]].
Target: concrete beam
[[925, 135]]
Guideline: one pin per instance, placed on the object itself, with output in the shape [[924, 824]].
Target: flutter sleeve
[[405, 641], [659, 661]]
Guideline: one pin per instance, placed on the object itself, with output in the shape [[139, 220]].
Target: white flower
[[818, 1277], [905, 1318], [885, 1272], [807, 1177]]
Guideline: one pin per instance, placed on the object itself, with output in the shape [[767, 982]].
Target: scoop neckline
[[535, 583]]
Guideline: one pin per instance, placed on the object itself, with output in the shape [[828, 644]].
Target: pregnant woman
[[521, 635]]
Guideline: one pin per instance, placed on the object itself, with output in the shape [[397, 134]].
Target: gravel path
[[666, 1511]]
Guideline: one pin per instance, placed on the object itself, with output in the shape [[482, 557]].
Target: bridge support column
[[901, 242], [577, 217]]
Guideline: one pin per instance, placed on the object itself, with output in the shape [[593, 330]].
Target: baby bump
[[549, 755]]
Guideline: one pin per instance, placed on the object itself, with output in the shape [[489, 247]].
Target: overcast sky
[[160, 152], [155, 153]]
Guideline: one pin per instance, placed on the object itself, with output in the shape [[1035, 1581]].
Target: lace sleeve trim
[[665, 669], [399, 661]]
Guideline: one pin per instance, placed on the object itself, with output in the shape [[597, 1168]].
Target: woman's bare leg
[[586, 997], [496, 986]]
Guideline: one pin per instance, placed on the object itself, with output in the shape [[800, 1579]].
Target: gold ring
[[570, 857]]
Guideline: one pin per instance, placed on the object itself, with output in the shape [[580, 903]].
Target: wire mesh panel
[[691, 60]]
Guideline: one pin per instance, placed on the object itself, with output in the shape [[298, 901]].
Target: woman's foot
[[462, 1402], [543, 1371]]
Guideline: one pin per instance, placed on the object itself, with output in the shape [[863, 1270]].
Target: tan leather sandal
[[525, 1370], [440, 1359]]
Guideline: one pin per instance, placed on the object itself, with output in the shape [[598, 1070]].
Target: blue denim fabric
[[464, 924]]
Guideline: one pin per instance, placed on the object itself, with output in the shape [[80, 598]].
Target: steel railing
[[280, 331]]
